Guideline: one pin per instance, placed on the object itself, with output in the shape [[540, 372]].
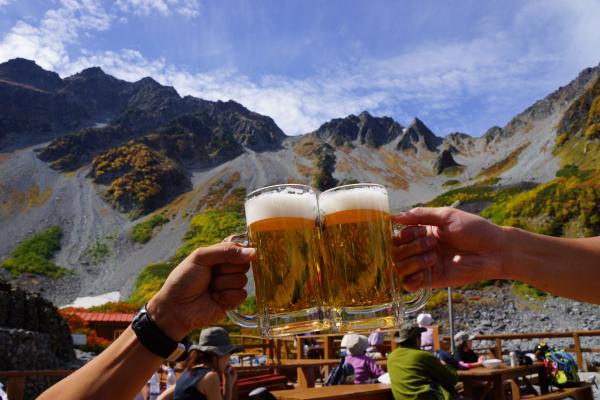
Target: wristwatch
[[154, 339]]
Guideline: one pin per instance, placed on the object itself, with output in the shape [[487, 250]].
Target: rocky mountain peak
[[27, 72], [418, 133], [364, 128]]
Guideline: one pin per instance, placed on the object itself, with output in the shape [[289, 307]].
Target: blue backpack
[[561, 368], [342, 374]]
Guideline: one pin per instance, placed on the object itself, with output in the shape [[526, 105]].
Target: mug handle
[[245, 321], [423, 294]]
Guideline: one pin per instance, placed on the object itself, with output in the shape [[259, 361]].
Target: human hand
[[200, 289], [459, 247]]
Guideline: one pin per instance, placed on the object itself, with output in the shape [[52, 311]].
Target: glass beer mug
[[282, 224], [361, 288]]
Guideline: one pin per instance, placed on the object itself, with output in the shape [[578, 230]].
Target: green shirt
[[418, 374]]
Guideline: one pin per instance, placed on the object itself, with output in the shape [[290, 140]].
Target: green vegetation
[[450, 183], [222, 217], [34, 253], [503, 165], [570, 170], [552, 207], [525, 291], [325, 162], [472, 194], [348, 181], [118, 307], [97, 252], [582, 117], [248, 307], [149, 281], [454, 170], [210, 227], [142, 232], [439, 299], [139, 179]]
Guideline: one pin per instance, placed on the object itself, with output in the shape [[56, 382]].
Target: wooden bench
[[582, 392]]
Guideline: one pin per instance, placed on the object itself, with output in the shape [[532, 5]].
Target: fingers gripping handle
[[423, 294], [245, 321]]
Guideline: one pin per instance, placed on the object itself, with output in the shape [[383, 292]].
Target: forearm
[[119, 372], [564, 267]]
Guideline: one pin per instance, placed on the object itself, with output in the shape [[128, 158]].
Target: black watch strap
[[153, 338]]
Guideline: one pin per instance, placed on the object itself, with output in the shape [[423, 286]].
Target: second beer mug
[[282, 223], [361, 288]]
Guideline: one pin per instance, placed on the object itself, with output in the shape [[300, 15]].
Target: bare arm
[[126, 364], [565, 267], [196, 293], [461, 248]]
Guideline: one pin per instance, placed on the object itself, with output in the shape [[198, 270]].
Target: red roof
[[104, 317]]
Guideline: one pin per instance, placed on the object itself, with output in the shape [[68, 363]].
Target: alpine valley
[[105, 185]]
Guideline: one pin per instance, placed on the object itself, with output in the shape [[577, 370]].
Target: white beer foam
[[281, 204], [360, 198]]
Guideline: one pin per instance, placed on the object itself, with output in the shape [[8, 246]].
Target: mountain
[[136, 176]]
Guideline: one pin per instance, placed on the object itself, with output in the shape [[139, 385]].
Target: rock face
[[419, 135], [444, 161], [364, 129], [37, 105], [32, 336]]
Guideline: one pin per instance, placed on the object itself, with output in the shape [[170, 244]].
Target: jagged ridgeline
[[136, 176]]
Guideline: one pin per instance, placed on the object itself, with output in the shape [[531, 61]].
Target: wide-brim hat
[[356, 344], [215, 341], [408, 332], [463, 336]]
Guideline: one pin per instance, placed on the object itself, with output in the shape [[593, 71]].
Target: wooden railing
[[575, 335], [15, 385], [276, 349]]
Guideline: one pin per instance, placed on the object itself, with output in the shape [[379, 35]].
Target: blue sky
[[458, 65]]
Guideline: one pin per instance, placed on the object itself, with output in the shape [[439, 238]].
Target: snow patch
[[91, 301]]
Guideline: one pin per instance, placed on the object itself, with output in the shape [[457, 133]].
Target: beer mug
[[282, 224], [361, 288]]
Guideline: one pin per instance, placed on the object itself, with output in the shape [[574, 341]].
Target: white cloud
[[4, 2], [58, 28], [187, 8], [466, 85]]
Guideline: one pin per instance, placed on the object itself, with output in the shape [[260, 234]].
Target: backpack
[[342, 374], [561, 368]]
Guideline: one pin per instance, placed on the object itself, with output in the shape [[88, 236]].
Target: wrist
[[506, 252], [165, 317]]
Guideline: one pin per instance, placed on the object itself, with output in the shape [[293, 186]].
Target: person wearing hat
[[418, 374], [207, 362], [365, 369], [465, 355]]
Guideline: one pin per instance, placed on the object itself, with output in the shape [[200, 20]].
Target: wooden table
[[306, 368], [493, 379], [370, 391]]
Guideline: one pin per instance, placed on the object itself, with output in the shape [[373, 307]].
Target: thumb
[[424, 216], [222, 253]]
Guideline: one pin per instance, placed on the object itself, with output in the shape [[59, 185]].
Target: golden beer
[[360, 286], [358, 247], [283, 226], [286, 272]]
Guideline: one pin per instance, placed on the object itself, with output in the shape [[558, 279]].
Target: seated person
[[464, 351], [425, 321], [418, 374], [365, 369], [376, 348]]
